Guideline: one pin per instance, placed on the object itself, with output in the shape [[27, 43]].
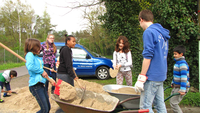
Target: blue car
[[87, 63]]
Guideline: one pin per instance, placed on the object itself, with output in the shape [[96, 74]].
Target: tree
[[179, 17], [59, 35], [15, 22], [121, 18]]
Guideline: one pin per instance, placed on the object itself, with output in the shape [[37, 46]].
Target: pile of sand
[[67, 91], [24, 102]]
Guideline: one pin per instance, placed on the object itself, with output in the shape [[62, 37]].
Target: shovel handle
[[11, 92], [21, 58], [18, 56]]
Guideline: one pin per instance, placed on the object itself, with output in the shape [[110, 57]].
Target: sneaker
[[6, 95], [1, 101]]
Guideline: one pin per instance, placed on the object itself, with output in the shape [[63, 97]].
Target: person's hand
[[44, 74], [52, 70], [77, 80], [139, 85], [181, 93], [117, 67], [52, 81], [172, 86], [9, 91]]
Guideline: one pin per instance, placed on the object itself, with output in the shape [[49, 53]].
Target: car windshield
[[93, 53]]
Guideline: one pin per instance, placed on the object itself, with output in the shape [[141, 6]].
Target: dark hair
[[32, 45], [146, 15], [180, 49], [68, 37], [13, 72], [126, 44]]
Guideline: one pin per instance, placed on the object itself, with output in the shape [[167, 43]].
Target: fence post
[[17, 57], [4, 56]]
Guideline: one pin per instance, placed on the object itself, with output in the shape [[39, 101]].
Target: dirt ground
[[24, 102]]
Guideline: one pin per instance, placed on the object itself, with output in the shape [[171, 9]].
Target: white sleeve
[[114, 58], [129, 60]]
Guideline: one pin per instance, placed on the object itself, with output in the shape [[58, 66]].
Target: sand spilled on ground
[[24, 102]]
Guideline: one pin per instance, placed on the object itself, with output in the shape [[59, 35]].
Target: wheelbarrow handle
[[172, 96], [136, 111], [132, 98], [167, 87]]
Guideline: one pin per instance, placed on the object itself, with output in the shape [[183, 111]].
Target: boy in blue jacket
[[180, 82], [5, 79], [154, 66]]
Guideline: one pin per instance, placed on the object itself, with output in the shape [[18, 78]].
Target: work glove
[[139, 85]]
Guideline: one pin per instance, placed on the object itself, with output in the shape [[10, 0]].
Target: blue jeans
[[153, 94], [66, 78], [7, 87], [40, 93], [51, 74]]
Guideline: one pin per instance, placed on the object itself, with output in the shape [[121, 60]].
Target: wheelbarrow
[[68, 107], [131, 104]]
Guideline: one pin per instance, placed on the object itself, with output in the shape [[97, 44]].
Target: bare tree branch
[[93, 3]]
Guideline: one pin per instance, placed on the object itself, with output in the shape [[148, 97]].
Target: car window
[[78, 53], [58, 51]]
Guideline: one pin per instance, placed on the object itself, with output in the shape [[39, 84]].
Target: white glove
[[139, 85]]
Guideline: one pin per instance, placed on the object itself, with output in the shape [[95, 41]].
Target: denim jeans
[[7, 87], [40, 93], [51, 74], [153, 94], [66, 78]]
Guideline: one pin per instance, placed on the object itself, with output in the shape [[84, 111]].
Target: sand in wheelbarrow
[[125, 90], [67, 92]]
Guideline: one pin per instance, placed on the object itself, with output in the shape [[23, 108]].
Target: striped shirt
[[181, 74]]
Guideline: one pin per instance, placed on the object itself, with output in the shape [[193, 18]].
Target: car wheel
[[102, 73]]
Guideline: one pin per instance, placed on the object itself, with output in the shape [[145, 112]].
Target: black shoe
[[1, 101], [6, 95]]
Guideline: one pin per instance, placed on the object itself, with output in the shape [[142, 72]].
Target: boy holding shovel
[[5, 79]]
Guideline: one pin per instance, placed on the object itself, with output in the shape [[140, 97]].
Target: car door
[[82, 62]]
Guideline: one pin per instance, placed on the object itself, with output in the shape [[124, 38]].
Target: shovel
[[82, 95], [13, 92], [113, 72]]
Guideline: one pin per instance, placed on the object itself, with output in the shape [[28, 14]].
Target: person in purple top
[[49, 54]]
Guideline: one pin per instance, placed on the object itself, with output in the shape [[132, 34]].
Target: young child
[[65, 69], [122, 61], [180, 82], [5, 79], [37, 74]]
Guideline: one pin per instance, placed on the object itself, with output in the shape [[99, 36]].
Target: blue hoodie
[[155, 40], [34, 66]]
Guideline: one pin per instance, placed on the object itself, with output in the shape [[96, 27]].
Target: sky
[[64, 18]]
